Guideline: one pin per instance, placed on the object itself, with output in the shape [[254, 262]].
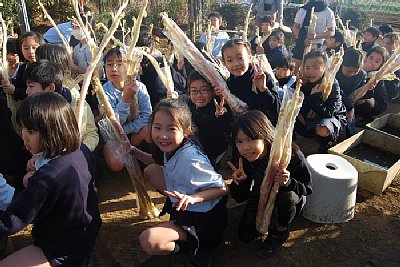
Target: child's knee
[[322, 131], [115, 166], [149, 245]]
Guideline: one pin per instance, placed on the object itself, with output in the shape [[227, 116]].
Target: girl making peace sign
[[254, 134]]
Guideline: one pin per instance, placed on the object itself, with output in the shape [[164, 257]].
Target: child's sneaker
[[273, 243]]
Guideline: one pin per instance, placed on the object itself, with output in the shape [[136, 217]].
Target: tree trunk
[[196, 16]]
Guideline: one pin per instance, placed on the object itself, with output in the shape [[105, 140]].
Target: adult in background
[[325, 28]]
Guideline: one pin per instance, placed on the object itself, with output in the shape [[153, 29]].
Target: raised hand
[[238, 174], [183, 200], [219, 108], [218, 90], [130, 89], [260, 79]]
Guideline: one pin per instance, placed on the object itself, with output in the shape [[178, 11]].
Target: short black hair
[[12, 46], [279, 35], [215, 14], [37, 36], [45, 72], [115, 51], [285, 62], [353, 58], [385, 29], [55, 53], [374, 31], [339, 38], [267, 19]]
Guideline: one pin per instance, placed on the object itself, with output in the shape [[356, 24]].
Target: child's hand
[[219, 108], [260, 79], [372, 83], [183, 200], [350, 115], [218, 90], [301, 119], [26, 178], [30, 165], [282, 177], [8, 87], [238, 174], [311, 114], [130, 89], [259, 50]]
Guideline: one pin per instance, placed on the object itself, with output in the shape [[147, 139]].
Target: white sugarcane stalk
[[279, 158], [390, 66], [95, 60], [311, 30], [330, 74], [246, 23], [202, 65], [209, 41], [146, 207], [64, 41], [136, 27], [101, 25]]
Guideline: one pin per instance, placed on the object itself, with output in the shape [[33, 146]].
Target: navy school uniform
[[393, 87], [294, 193], [267, 102], [212, 132], [347, 86], [265, 45], [381, 102], [366, 47], [275, 55], [20, 83], [331, 113]]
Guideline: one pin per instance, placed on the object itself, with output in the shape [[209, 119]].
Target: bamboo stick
[[246, 23]]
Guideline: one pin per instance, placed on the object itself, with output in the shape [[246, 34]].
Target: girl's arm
[[300, 176], [381, 98], [144, 157], [185, 200], [331, 106]]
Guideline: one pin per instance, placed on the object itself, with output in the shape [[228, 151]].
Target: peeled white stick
[[246, 23], [136, 28], [200, 63], [64, 41], [95, 60]]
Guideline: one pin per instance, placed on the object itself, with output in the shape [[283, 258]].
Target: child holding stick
[[236, 57], [59, 199], [195, 202], [213, 120], [121, 98], [319, 119], [254, 134]]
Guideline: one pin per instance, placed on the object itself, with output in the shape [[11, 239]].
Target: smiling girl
[[195, 202], [254, 134]]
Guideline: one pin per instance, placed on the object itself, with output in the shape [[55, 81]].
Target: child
[[219, 38], [6, 193], [370, 35], [317, 118], [12, 57], [195, 202], [351, 77], [213, 121], [29, 42], [284, 74], [375, 101], [121, 98], [266, 29], [81, 54], [335, 43], [59, 199], [254, 135], [278, 49], [236, 57], [391, 42], [45, 75]]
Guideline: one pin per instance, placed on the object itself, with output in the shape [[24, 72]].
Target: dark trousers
[[287, 205]]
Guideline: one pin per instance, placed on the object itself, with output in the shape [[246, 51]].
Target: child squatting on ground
[[195, 192]]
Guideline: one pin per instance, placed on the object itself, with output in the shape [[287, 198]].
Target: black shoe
[[201, 259], [272, 245]]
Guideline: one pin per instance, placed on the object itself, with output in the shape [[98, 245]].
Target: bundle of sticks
[[384, 73], [334, 63], [201, 64], [279, 158]]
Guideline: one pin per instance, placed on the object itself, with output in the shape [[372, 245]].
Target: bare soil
[[370, 239]]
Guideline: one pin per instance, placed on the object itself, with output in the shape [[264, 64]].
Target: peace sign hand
[[219, 108], [183, 200], [238, 174]]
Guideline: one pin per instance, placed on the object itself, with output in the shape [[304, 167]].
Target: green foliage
[[359, 18], [389, 8], [233, 14]]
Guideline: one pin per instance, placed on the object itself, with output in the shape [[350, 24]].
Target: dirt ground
[[370, 239]]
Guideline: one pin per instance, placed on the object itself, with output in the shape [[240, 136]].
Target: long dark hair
[[52, 116]]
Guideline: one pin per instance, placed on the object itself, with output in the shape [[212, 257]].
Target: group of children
[[189, 137]]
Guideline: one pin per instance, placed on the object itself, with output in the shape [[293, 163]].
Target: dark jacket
[[20, 83], [61, 203], [276, 55], [349, 85], [267, 102], [381, 98]]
